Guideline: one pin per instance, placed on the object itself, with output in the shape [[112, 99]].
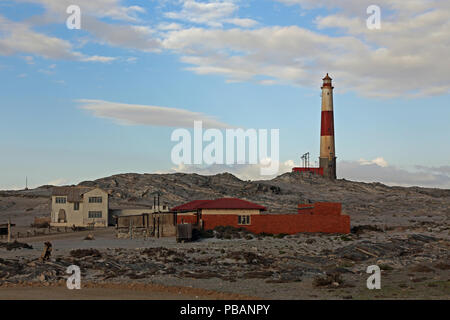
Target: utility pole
[[130, 228], [159, 209], [9, 230], [305, 160]]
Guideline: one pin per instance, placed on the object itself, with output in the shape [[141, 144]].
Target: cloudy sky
[[83, 104]]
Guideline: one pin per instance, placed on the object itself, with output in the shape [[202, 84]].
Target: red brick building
[[318, 217]]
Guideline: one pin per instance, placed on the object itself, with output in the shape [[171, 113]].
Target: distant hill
[[280, 195]]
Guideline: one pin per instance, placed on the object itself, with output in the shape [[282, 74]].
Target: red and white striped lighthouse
[[327, 159]]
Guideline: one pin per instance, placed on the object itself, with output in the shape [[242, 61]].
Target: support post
[[158, 226], [9, 230], [130, 229]]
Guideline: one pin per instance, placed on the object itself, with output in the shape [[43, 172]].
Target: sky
[[81, 104]]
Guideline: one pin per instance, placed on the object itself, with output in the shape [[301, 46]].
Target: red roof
[[223, 203], [190, 206]]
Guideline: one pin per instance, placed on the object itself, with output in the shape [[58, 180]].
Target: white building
[[80, 207]]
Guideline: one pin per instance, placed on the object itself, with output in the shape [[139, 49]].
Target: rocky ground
[[405, 231], [302, 266], [372, 203]]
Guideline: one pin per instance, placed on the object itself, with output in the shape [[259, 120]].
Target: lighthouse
[[327, 159]]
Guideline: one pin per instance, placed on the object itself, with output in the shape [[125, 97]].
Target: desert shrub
[[361, 229], [442, 266], [15, 245], [264, 234], [81, 253], [327, 280], [205, 234], [280, 235], [386, 267], [345, 237], [89, 237], [421, 268], [229, 232]]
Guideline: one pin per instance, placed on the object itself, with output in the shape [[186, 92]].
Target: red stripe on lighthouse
[[327, 124]]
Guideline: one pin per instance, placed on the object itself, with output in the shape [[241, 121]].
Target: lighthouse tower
[[327, 159]]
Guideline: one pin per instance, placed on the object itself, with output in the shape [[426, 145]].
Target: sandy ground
[[413, 269], [27, 293], [400, 282], [113, 291]]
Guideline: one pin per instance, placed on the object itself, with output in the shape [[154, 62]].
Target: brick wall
[[283, 223], [327, 208], [318, 217], [318, 171]]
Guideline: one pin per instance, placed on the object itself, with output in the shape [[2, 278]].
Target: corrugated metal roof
[[73, 194], [190, 206], [5, 225]]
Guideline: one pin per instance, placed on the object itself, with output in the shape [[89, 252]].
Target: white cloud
[[438, 170], [99, 59], [169, 26], [120, 35], [242, 171], [378, 161], [20, 38], [99, 8], [131, 60], [285, 54], [212, 13], [378, 170], [29, 59], [404, 58], [355, 7], [132, 114], [242, 22], [58, 182]]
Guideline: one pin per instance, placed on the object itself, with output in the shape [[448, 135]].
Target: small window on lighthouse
[[328, 93]]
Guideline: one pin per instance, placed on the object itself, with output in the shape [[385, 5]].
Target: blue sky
[[250, 64]]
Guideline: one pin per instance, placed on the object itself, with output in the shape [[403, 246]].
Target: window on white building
[[60, 200], [76, 206], [95, 199], [95, 214]]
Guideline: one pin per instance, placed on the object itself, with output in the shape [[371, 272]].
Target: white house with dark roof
[[80, 207]]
